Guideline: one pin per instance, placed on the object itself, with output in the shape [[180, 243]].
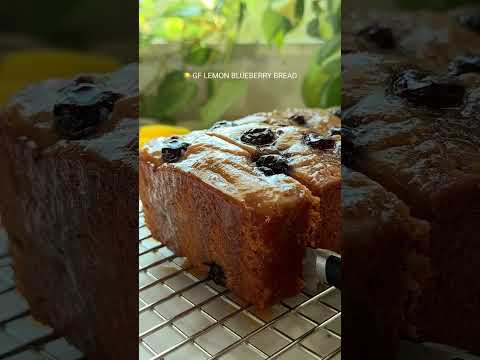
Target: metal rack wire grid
[[183, 315], [21, 337]]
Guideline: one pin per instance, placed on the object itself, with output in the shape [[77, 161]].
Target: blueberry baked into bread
[[432, 37], [69, 155], [246, 196], [313, 158], [411, 123]]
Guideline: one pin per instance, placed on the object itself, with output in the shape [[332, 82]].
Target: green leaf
[[336, 15], [241, 13], [313, 85], [316, 7], [328, 49], [334, 5], [312, 28], [183, 10], [332, 65], [322, 84], [175, 29], [299, 9], [174, 93], [332, 95], [198, 55], [227, 92], [275, 27], [251, 4], [170, 29], [325, 26]]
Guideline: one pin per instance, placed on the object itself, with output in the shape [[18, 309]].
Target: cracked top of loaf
[[94, 114], [267, 162], [277, 151], [414, 130], [432, 37]]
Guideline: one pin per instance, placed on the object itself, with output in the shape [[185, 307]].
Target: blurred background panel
[[177, 37], [105, 26], [53, 39], [58, 39], [405, 144]]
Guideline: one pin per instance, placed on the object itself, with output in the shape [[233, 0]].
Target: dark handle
[[333, 271]]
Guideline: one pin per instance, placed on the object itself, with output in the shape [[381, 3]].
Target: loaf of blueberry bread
[[246, 197], [309, 140], [411, 123], [68, 184], [384, 268]]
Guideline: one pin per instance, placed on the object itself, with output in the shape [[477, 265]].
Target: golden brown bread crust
[[216, 204]]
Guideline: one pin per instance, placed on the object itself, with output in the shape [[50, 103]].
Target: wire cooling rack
[[21, 337], [185, 316]]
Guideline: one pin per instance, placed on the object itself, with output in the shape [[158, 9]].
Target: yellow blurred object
[[287, 9], [150, 132], [8, 88], [21, 68]]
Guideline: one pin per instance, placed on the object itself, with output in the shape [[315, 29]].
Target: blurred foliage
[[322, 86], [206, 31]]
